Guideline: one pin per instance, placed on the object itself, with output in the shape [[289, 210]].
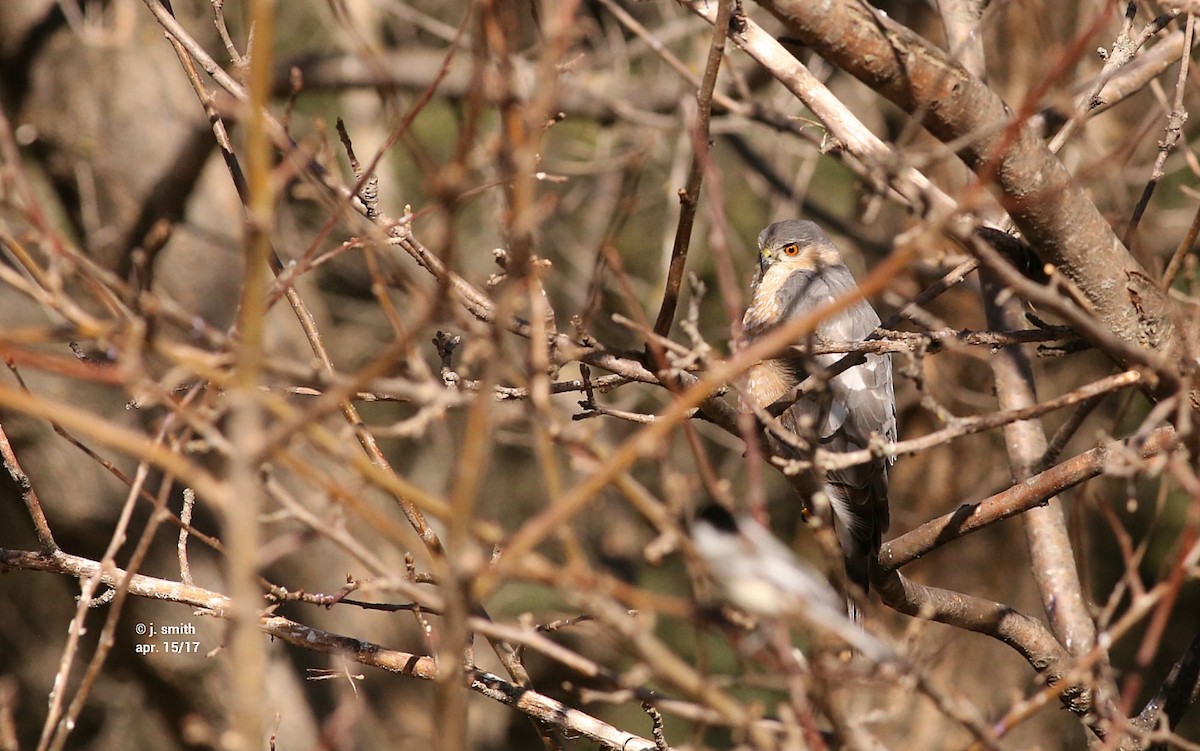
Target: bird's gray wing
[[856, 404], [862, 400]]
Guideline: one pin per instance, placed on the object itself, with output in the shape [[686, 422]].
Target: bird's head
[[795, 245]]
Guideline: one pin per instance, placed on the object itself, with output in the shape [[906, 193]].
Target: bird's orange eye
[[791, 249]]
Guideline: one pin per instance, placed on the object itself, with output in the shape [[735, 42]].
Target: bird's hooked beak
[[765, 256]]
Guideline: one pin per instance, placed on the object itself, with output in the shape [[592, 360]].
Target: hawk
[[800, 271]]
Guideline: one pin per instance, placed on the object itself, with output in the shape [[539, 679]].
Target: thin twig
[[689, 196], [28, 494], [977, 424], [1174, 130]]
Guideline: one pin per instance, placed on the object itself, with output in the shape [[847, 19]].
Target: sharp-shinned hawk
[[800, 271]]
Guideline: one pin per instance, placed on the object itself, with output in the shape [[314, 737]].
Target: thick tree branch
[[1064, 227], [1025, 634], [876, 157], [1051, 554], [1034, 491]]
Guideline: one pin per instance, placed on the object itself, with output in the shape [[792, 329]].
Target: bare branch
[[1029, 494], [525, 700]]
